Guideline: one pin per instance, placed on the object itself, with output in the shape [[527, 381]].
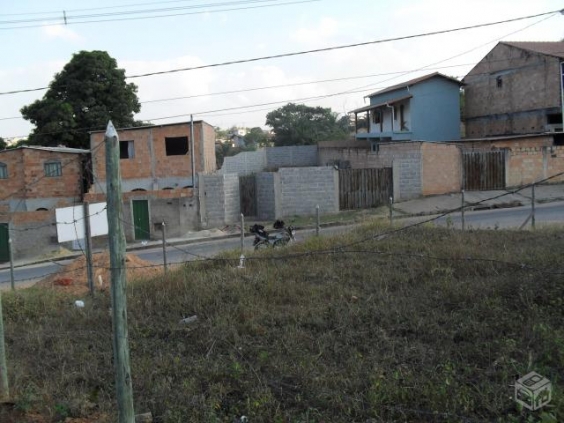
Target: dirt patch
[[74, 280]]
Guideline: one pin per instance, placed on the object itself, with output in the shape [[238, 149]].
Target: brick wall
[[151, 168], [441, 168], [526, 165]]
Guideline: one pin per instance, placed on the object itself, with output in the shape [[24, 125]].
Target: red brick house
[[157, 175], [33, 182]]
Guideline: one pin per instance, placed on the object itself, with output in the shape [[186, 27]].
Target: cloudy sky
[[36, 45]]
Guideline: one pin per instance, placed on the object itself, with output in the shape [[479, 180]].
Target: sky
[[202, 32]]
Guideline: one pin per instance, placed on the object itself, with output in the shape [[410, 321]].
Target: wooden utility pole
[[118, 280], [4, 391]]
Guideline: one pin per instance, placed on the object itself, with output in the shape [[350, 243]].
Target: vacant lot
[[423, 325]]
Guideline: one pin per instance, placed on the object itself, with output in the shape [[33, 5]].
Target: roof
[[415, 81], [52, 149], [149, 126], [375, 106], [548, 48]]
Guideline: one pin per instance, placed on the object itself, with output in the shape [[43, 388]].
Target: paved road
[[501, 218]]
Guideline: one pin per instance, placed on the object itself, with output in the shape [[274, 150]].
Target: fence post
[[164, 247], [391, 211], [88, 245], [462, 212], [317, 220], [11, 254], [533, 206]]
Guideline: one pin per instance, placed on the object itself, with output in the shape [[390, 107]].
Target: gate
[[248, 195], [483, 170], [141, 219], [4, 243], [364, 188]]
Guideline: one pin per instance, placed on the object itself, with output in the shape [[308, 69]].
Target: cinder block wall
[[219, 200], [291, 156], [245, 163], [440, 168], [301, 189], [526, 165], [268, 184], [407, 178]]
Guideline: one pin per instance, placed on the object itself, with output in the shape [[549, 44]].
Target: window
[[376, 116], [53, 169], [499, 82], [126, 150], [176, 146], [3, 171]]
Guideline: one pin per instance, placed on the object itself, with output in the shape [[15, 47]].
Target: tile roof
[[549, 48], [375, 106], [413, 82]]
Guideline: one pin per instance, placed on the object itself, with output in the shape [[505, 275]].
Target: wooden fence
[[483, 170], [364, 188]]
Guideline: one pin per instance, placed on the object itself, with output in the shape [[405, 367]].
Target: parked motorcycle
[[280, 236]]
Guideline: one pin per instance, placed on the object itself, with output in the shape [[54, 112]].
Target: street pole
[[462, 212], [88, 239], [391, 211], [118, 280], [4, 389], [533, 206], [242, 233], [164, 247], [317, 220], [192, 153], [11, 253]]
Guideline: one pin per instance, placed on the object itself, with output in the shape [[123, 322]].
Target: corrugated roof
[[53, 149], [375, 106], [549, 48], [415, 81]]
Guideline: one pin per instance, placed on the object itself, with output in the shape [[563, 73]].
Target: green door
[[141, 219], [4, 243]]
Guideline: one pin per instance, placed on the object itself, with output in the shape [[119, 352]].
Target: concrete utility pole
[[117, 263]]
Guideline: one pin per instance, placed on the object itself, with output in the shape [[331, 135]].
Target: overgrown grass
[[406, 329]]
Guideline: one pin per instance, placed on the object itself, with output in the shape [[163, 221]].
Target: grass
[[403, 329]]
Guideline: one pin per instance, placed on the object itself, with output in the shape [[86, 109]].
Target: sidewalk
[[417, 207]]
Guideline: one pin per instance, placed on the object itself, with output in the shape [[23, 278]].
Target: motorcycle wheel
[[261, 245], [280, 242]]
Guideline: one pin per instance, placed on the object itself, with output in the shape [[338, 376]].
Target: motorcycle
[[281, 235]]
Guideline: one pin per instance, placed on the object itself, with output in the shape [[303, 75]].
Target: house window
[[376, 116], [3, 171], [53, 169], [499, 82], [176, 146], [126, 150]]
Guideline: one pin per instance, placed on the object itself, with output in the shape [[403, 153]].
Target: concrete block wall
[[301, 189], [407, 178], [219, 200], [526, 165], [245, 163], [440, 168], [291, 156], [268, 195]]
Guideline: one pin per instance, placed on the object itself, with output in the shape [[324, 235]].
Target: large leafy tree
[[3, 144], [89, 91], [298, 124]]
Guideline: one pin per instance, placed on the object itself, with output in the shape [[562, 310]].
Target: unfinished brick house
[[157, 177], [515, 89], [33, 182]]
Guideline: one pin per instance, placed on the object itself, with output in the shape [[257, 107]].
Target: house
[[515, 89], [422, 109], [159, 167], [33, 182]]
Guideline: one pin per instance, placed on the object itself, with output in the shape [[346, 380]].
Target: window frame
[[4, 171], [177, 150], [127, 152], [51, 165]]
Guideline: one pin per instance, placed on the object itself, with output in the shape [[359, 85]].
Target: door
[[4, 243], [248, 195], [141, 219], [483, 170]]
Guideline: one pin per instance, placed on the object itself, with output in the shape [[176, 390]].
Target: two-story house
[[33, 182], [159, 167], [422, 109], [515, 89]]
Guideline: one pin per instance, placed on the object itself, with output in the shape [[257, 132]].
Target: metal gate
[[141, 219], [483, 170], [248, 195], [4, 243], [364, 188]]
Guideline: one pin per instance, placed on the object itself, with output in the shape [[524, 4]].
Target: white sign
[[70, 222]]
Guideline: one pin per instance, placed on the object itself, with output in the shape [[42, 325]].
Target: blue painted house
[[422, 109]]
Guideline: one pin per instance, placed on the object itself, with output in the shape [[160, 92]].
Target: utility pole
[[163, 228], [118, 281], [88, 245]]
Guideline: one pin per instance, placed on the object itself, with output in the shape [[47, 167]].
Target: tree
[[298, 124], [256, 137], [3, 144], [84, 96]]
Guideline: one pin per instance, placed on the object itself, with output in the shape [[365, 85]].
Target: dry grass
[[384, 334]]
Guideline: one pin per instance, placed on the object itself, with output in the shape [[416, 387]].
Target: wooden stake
[[4, 390], [118, 280]]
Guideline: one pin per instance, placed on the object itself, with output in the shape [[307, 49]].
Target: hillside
[[422, 325]]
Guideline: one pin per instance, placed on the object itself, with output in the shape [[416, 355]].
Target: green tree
[[89, 91], [256, 137], [3, 144], [298, 124]]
